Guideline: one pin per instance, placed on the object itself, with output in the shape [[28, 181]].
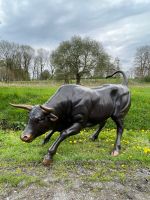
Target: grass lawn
[[22, 161], [137, 118]]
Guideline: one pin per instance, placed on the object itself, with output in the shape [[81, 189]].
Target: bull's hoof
[[44, 142], [115, 153], [47, 162], [92, 138]]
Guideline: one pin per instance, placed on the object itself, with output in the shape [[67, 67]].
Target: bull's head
[[41, 119]]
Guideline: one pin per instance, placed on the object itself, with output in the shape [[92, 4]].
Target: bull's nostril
[[25, 137]]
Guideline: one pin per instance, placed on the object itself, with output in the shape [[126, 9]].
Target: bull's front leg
[[47, 138], [74, 129]]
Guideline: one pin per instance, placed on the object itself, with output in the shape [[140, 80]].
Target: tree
[[27, 55], [77, 58], [2, 71], [45, 75], [84, 56], [7, 55], [42, 57], [17, 60], [60, 59], [41, 63], [35, 70], [142, 62]]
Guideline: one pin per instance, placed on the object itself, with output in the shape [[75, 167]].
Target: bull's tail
[[125, 80]]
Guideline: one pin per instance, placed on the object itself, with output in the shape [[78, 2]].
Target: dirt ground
[[136, 186]]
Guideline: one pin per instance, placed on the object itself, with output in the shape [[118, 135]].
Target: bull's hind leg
[[117, 145], [96, 133]]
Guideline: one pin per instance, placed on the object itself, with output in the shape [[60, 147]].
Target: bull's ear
[[46, 109], [23, 106], [53, 117]]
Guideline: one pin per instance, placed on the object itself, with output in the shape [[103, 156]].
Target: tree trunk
[[66, 79], [78, 78]]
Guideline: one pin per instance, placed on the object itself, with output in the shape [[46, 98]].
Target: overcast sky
[[120, 25]]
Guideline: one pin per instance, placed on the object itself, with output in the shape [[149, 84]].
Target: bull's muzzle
[[26, 138]]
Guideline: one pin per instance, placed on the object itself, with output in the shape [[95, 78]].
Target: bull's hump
[[73, 90], [67, 88]]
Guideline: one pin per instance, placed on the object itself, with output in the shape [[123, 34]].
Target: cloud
[[126, 36], [120, 25]]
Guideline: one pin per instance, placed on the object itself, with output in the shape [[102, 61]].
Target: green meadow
[[21, 162], [137, 118]]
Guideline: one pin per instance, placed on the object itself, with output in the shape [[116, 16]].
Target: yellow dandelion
[[146, 150]]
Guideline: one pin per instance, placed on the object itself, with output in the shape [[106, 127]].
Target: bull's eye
[[38, 119], [41, 119]]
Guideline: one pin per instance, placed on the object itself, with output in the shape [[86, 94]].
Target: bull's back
[[97, 104]]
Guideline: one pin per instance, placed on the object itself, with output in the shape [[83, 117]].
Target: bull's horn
[[47, 109], [27, 107]]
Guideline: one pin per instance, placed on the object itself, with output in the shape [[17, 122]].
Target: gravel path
[[136, 186]]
